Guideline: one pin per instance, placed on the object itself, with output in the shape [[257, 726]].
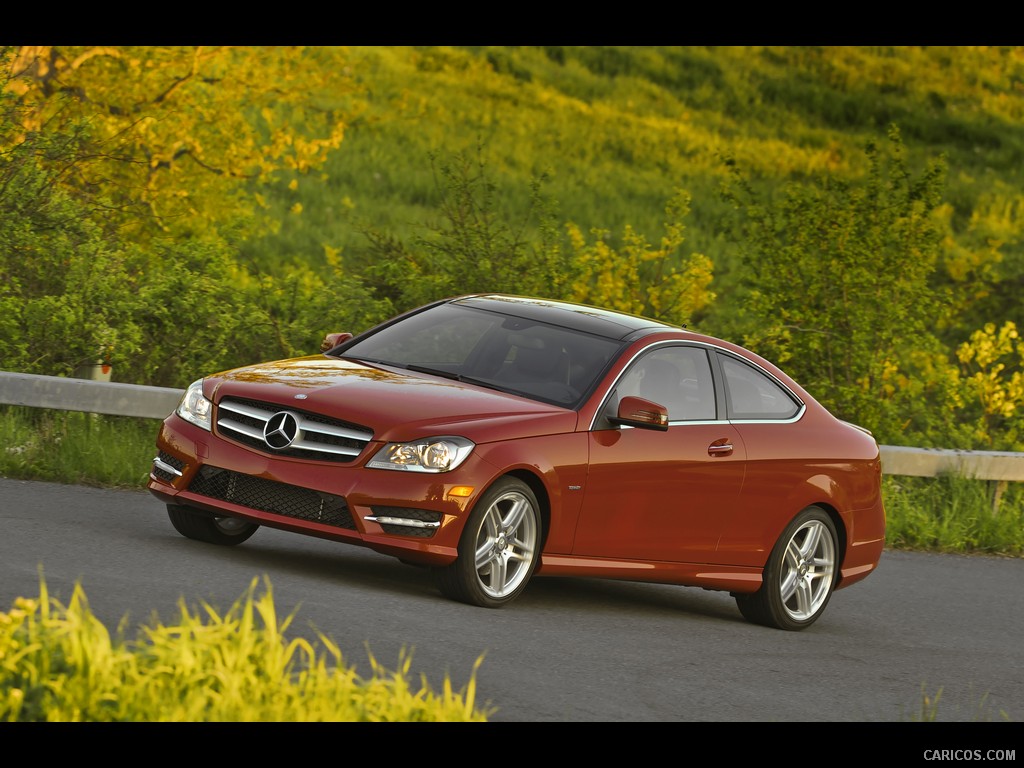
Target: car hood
[[394, 403]]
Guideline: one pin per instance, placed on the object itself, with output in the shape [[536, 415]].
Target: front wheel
[[799, 577], [499, 548], [203, 526]]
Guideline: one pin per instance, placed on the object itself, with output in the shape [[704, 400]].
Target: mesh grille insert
[[272, 496]]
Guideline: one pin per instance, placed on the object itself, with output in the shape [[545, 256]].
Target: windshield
[[554, 364]]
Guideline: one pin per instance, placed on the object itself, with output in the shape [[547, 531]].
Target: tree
[[475, 245], [128, 175], [839, 289], [59, 264], [176, 128]]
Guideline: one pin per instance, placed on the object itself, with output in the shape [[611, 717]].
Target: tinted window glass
[[678, 378], [547, 362], [753, 395], [441, 335]]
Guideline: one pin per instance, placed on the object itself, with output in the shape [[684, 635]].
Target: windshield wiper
[[452, 375]]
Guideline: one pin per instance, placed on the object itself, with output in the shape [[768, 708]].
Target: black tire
[[800, 575], [499, 549], [205, 526]]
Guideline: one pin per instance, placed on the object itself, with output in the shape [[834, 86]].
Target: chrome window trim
[[711, 348]]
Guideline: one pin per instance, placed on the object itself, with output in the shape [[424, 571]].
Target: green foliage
[[88, 270], [186, 209], [175, 128], [993, 385], [471, 247], [838, 280], [288, 315], [59, 264], [655, 282], [60, 664], [928, 711], [76, 448]]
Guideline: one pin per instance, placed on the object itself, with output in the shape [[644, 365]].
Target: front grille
[[271, 496], [318, 437]]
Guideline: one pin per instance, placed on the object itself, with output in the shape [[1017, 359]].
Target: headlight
[[433, 454], [194, 407]]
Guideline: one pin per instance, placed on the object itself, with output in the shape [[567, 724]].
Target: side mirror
[[644, 414], [331, 340]]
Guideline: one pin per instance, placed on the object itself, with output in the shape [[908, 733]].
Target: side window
[[678, 378], [753, 395]]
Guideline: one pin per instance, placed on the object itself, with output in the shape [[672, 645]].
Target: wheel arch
[[800, 505], [822, 490]]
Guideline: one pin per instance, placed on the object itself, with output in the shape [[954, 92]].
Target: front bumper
[[409, 515]]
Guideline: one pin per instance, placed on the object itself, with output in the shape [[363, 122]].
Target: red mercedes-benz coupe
[[494, 438]]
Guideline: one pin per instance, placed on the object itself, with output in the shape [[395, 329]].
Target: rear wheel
[[204, 526], [799, 577], [499, 548]]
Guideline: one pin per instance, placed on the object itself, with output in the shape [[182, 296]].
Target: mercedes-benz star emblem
[[282, 428]]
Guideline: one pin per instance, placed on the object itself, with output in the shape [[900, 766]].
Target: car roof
[[601, 322]]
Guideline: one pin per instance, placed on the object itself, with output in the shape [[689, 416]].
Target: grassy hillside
[[618, 129]]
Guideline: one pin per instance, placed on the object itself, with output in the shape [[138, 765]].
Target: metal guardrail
[[67, 394], [146, 402]]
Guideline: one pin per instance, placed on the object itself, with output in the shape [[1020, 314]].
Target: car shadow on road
[[340, 566]]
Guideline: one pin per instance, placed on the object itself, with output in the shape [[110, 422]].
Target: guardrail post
[[98, 371], [997, 494]]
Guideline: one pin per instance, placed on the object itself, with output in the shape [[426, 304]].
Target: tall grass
[[76, 448], [943, 514], [951, 513], [58, 663], [928, 711]]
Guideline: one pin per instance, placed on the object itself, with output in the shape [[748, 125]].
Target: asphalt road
[[946, 627]]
